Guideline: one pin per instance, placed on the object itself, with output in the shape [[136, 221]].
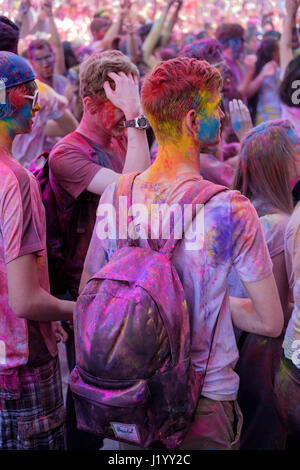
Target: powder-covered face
[[210, 120], [110, 119], [22, 120], [43, 61], [237, 47]]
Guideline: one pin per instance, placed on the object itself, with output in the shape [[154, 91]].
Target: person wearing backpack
[[31, 401], [181, 100]]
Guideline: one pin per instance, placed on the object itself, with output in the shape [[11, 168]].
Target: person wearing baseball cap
[[28, 146], [31, 400]]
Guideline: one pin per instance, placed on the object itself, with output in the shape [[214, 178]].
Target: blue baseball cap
[[14, 70]]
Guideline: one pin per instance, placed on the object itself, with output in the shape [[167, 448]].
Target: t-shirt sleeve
[[73, 169], [273, 227], [251, 257], [19, 222]]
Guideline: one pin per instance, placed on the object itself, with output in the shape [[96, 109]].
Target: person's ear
[[192, 123], [90, 105]]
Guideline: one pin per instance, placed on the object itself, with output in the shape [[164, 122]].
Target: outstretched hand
[[125, 6], [126, 95], [292, 6], [24, 7], [47, 7], [240, 118], [269, 69]]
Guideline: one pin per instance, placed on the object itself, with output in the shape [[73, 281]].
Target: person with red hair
[[181, 98]]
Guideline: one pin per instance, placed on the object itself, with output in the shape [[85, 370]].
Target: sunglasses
[[34, 98]]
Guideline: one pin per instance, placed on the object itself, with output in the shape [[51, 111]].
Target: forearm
[[254, 86], [52, 129], [245, 83], [25, 23], [286, 52], [44, 307], [113, 31], [132, 48], [154, 34], [168, 30], [246, 318], [55, 40], [138, 155]]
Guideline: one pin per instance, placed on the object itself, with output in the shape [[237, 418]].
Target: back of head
[[144, 30], [167, 53], [9, 35], [291, 76], [204, 49], [267, 51], [266, 157], [175, 87], [273, 34], [70, 58], [94, 72], [99, 23], [228, 31]]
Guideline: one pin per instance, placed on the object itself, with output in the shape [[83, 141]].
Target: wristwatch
[[141, 123]]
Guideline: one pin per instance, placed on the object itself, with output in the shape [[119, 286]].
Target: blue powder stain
[[219, 241]]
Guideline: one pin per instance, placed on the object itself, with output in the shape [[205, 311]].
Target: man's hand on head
[[126, 95]]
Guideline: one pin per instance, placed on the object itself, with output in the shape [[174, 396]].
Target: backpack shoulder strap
[[122, 202], [199, 194]]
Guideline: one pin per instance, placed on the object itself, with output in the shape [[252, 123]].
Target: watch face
[[142, 122]]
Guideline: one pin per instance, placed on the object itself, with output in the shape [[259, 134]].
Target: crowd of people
[[165, 119]]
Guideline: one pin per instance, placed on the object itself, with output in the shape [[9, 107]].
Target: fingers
[[107, 88], [60, 333], [118, 76], [235, 107]]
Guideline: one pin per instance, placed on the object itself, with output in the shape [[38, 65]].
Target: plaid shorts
[[32, 415]]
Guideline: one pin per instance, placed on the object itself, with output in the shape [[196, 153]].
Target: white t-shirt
[[232, 237]]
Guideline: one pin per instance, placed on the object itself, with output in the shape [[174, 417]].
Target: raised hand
[[47, 7], [269, 69], [292, 6], [125, 6], [126, 95], [240, 118], [24, 7]]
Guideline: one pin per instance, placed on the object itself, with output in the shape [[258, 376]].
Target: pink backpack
[[134, 380]]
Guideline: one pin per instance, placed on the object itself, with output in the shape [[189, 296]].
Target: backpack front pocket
[[118, 410]]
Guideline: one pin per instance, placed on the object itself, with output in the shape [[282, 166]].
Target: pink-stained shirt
[[22, 231], [26, 147], [232, 237], [74, 162]]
